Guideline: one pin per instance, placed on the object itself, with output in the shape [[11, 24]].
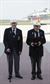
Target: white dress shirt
[[14, 30]]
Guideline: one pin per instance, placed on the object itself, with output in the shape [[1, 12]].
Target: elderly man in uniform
[[13, 42], [35, 40]]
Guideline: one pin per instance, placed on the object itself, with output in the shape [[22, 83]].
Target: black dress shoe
[[19, 76], [9, 77], [40, 77], [33, 78]]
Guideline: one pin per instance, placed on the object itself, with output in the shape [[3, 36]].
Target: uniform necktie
[[13, 31]]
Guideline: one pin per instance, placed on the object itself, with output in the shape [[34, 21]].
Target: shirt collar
[[13, 29], [36, 30]]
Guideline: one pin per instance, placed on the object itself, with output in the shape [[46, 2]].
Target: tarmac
[[25, 67]]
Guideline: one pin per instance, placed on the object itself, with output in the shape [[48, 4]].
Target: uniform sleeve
[[5, 41], [28, 39], [43, 39], [21, 42]]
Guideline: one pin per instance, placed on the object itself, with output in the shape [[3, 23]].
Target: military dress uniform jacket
[[13, 41], [35, 50]]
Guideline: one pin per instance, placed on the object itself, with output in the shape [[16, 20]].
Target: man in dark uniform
[[35, 40], [13, 42]]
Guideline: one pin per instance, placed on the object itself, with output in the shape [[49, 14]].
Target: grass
[[22, 22]]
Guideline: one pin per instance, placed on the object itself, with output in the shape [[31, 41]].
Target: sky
[[18, 9]]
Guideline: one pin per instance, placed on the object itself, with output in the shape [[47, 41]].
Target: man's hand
[[19, 52], [39, 43], [32, 44], [8, 50]]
